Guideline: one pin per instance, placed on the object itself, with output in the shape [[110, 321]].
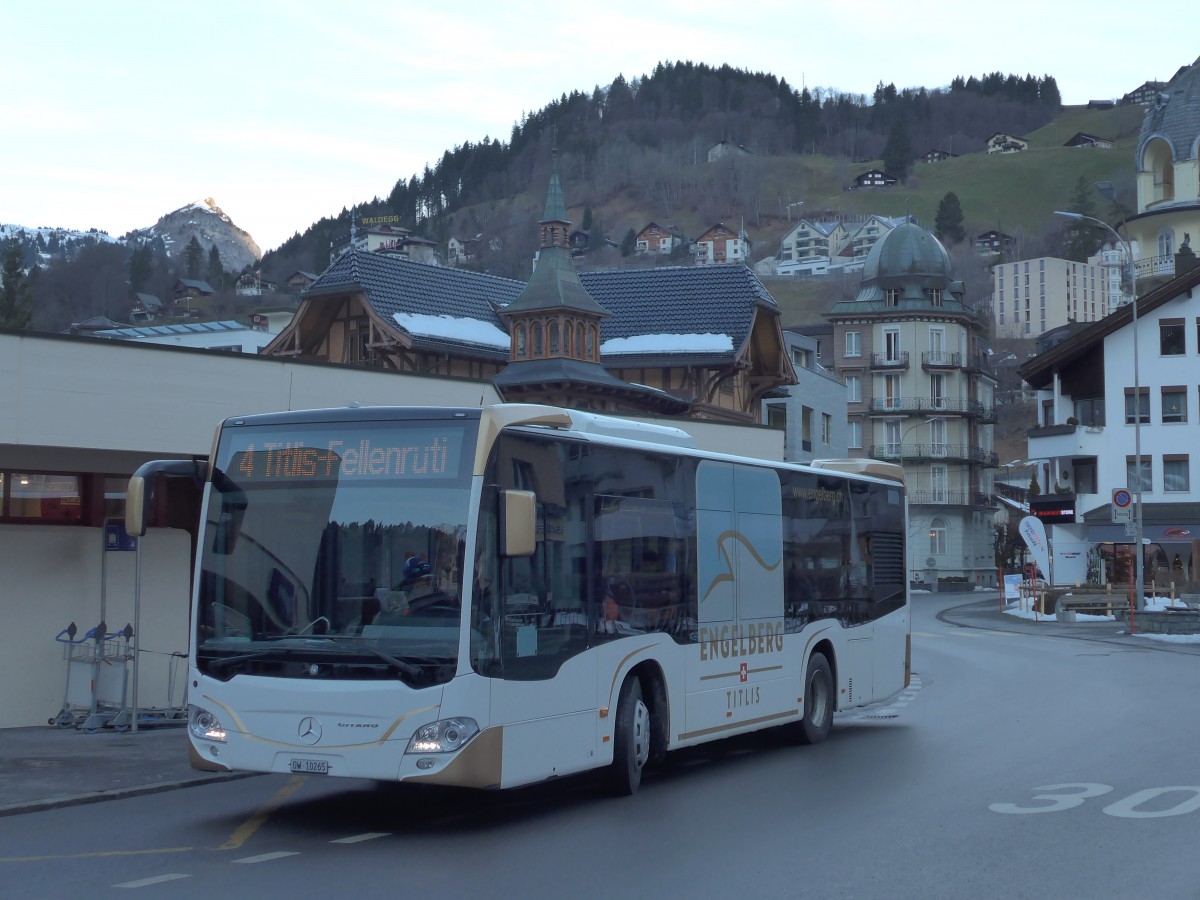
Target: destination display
[[320, 453]]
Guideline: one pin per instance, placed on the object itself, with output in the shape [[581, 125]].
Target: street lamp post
[[1139, 561]]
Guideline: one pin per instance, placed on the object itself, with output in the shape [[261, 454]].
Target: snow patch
[[454, 328], [669, 343]]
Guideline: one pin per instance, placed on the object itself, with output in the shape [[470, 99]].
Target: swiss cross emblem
[[743, 672]]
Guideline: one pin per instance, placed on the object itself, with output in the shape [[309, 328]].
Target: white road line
[[369, 836], [267, 857], [157, 879]]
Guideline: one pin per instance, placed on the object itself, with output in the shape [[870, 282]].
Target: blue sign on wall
[[117, 539]]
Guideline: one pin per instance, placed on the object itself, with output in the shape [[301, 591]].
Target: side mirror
[[139, 496], [518, 523]]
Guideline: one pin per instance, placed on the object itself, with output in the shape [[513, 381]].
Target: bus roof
[[862, 466]]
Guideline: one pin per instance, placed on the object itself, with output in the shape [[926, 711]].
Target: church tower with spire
[[554, 326]]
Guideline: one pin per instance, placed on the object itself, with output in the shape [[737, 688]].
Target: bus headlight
[[205, 725], [443, 736]]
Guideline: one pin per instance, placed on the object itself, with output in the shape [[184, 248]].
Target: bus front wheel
[[631, 743], [818, 700]]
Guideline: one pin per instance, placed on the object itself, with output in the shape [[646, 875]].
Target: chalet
[[299, 280], [252, 284], [993, 243], [460, 250], [725, 148], [1101, 104], [578, 241], [720, 244], [873, 178], [655, 238], [188, 288], [702, 341], [146, 308], [1006, 143], [935, 155], [1082, 139], [273, 320], [1144, 94]]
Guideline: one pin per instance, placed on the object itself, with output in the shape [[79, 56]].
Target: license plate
[[311, 766]]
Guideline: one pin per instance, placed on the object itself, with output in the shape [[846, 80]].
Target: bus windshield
[[335, 550]]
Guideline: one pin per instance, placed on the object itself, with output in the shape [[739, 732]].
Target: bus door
[[532, 618], [738, 676]]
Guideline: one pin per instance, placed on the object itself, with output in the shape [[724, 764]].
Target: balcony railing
[[931, 405], [890, 360], [935, 452], [937, 359], [953, 498]]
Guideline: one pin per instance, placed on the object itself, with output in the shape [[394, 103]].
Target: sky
[[285, 112]]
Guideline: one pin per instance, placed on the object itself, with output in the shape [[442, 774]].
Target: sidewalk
[[43, 767]]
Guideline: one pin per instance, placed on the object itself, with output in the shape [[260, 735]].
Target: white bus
[[495, 597]]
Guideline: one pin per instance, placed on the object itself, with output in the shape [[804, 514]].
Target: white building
[[1090, 421], [813, 415], [1033, 296]]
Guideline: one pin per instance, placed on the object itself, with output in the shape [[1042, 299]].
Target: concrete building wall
[[102, 408]]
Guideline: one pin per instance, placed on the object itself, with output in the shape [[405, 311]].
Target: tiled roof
[[678, 300], [398, 285], [718, 299]]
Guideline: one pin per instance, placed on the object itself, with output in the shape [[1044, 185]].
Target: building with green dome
[[920, 392]]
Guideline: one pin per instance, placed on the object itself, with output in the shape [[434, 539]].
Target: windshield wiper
[[408, 670]]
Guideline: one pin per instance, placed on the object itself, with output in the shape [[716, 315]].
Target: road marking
[[95, 854], [267, 857], [157, 879], [257, 820], [369, 836]]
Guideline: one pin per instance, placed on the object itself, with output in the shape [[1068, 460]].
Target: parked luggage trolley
[[97, 676]]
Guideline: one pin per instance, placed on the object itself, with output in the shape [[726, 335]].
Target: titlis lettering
[[743, 696], [741, 640]]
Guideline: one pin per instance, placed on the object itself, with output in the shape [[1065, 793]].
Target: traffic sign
[[1121, 503]]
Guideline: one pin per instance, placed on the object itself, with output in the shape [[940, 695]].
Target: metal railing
[[931, 405], [938, 359], [947, 452], [890, 361]]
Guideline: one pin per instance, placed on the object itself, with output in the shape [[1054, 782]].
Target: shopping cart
[[97, 676]]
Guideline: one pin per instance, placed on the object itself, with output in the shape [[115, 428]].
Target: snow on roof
[[453, 327], [669, 343]]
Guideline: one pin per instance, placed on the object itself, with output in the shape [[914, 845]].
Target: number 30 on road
[[1061, 797]]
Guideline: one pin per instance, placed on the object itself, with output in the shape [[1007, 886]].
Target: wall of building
[[86, 405]]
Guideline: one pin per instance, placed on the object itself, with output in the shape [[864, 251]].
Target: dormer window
[[891, 297], [935, 296]]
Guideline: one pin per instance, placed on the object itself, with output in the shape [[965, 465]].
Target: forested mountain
[[628, 153], [641, 144]]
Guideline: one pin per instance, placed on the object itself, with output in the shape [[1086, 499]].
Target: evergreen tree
[[595, 236], [141, 267], [193, 255], [898, 152], [1081, 237], [216, 272], [587, 218], [948, 224], [16, 304], [629, 243]]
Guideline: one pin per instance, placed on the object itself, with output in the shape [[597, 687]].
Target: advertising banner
[[1033, 532]]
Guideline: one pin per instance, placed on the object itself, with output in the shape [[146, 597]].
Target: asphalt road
[[1019, 764]]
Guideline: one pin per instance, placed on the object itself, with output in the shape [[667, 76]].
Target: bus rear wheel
[[631, 742], [818, 700]]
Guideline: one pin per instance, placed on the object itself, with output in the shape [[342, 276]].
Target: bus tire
[[631, 741], [818, 701]]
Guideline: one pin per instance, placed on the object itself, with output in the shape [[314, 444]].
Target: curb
[[29, 806]]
